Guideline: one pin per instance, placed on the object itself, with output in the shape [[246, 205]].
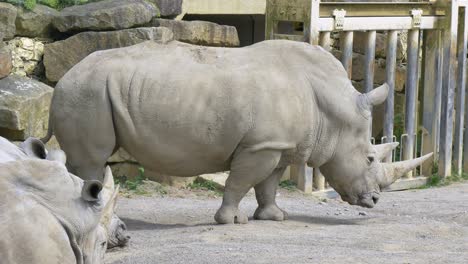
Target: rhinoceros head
[[356, 170], [111, 230]]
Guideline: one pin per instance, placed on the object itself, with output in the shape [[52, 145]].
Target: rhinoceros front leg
[[265, 193], [247, 170]]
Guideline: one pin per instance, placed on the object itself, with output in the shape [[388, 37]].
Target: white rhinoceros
[[48, 215], [186, 110]]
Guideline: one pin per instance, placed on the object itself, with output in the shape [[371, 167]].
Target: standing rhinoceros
[[48, 215], [185, 110]]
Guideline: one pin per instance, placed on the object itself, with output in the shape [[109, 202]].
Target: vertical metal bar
[[392, 37], [346, 41], [431, 95], [319, 180], [325, 42], [410, 91], [369, 66], [448, 88], [461, 83]]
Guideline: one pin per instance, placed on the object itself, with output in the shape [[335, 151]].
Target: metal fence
[[436, 70]]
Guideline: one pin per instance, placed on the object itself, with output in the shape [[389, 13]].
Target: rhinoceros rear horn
[[393, 171], [383, 150], [91, 190], [378, 95], [109, 180]]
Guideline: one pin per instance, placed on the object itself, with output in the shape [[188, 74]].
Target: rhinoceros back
[[182, 104]]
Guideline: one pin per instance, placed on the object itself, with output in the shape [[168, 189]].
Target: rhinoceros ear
[[33, 147], [91, 191], [378, 95]]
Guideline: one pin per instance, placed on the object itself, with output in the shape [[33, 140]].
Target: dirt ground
[[416, 226]]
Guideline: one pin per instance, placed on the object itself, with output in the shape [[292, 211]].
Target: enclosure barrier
[[437, 30]]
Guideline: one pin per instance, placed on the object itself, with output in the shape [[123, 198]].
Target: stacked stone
[[26, 54], [38, 47]]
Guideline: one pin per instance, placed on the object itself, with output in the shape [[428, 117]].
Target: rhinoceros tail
[[50, 130]]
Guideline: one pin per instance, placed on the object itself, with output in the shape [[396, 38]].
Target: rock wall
[[38, 47]]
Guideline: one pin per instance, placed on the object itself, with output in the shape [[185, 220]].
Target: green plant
[[436, 181], [288, 185], [206, 185], [128, 184]]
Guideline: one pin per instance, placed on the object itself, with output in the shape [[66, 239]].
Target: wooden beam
[[448, 89], [380, 23]]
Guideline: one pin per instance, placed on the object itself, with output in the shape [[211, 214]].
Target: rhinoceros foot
[[228, 215], [270, 212]]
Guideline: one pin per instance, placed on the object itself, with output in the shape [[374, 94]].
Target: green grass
[[288, 185], [436, 181], [205, 185]]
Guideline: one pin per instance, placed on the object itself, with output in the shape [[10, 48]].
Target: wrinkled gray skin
[[185, 110], [49, 215]]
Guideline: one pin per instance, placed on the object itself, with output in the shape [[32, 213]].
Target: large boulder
[[200, 32], [5, 62], [169, 8], [7, 20], [105, 15], [36, 23], [24, 107], [61, 56]]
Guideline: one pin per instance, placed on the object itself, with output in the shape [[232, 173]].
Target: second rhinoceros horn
[[383, 150], [393, 171]]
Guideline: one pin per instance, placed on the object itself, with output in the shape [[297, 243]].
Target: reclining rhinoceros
[[49, 215], [186, 110]]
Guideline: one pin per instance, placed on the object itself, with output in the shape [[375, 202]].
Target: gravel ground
[[416, 226]]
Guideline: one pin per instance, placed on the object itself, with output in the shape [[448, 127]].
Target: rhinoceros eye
[[370, 159]]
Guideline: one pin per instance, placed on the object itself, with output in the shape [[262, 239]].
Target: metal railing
[[436, 68]]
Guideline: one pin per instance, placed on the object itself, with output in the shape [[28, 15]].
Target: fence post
[[302, 174], [392, 37], [314, 33], [461, 82], [449, 37], [410, 92], [432, 77]]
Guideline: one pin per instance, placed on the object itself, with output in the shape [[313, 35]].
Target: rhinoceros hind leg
[[265, 193], [247, 170]]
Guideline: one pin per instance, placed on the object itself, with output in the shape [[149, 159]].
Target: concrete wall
[[218, 7], [250, 28]]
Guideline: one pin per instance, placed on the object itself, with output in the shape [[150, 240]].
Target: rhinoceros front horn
[[393, 171]]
